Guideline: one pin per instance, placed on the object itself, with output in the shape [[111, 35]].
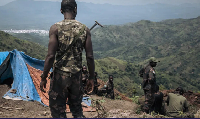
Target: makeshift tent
[[25, 72]]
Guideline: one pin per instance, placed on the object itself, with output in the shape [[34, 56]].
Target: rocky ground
[[106, 108], [28, 109]]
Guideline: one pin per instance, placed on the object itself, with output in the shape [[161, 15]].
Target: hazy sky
[[124, 2]]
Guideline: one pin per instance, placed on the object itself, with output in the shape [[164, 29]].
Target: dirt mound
[[21, 109], [114, 108], [123, 97], [110, 108], [197, 115], [193, 98], [118, 113], [28, 109]]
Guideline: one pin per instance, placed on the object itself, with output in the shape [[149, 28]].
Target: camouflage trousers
[[149, 99], [65, 86]]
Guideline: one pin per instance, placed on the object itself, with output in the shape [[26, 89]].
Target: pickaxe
[[96, 23]]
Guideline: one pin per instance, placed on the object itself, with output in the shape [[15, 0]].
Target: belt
[[56, 70]]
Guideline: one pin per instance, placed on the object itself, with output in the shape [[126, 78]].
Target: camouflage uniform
[[67, 81], [110, 91], [95, 85], [158, 103], [149, 82]]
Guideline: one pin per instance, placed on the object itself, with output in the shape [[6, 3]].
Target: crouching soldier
[[96, 85], [110, 88], [158, 102], [85, 76], [177, 105]]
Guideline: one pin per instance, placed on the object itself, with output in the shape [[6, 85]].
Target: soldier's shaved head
[[68, 5], [111, 78]]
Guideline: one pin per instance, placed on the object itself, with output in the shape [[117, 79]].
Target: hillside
[[33, 37], [9, 43], [144, 38], [174, 42], [127, 81], [104, 67], [124, 73]]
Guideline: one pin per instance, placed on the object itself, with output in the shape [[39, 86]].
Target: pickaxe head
[[96, 23], [99, 24]]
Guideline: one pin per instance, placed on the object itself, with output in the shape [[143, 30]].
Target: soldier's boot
[[147, 107]]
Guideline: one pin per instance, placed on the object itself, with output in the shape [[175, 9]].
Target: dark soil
[[28, 109], [106, 108]]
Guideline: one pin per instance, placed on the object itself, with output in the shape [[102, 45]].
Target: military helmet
[[153, 59]]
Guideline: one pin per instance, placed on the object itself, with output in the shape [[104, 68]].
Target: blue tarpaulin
[[13, 65], [3, 56], [22, 83], [87, 101]]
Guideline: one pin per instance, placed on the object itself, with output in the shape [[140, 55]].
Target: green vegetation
[[174, 42], [123, 50], [33, 37], [135, 99], [9, 43], [125, 74]]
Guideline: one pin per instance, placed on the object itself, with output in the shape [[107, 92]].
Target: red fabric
[[35, 75]]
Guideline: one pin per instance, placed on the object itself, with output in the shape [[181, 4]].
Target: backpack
[[141, 72]]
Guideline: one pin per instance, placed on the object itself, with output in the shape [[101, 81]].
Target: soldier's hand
[[90, 86], [43, 83]]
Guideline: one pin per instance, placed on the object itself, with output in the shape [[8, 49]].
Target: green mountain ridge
[[124, 73], [104, 67], [150, 36], [123, 50], [175, 42], [33, 37], [9, 43]]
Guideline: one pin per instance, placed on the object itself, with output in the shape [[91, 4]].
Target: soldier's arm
[[89, 54], [52, 47], [186, 105], [167, 101], [107, 85], [151, 75]]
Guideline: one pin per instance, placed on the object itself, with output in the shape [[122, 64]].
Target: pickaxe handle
[[93, 26], [96, 23]]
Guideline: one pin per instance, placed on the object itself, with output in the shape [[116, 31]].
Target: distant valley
[[30, 14], [122, 50]]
